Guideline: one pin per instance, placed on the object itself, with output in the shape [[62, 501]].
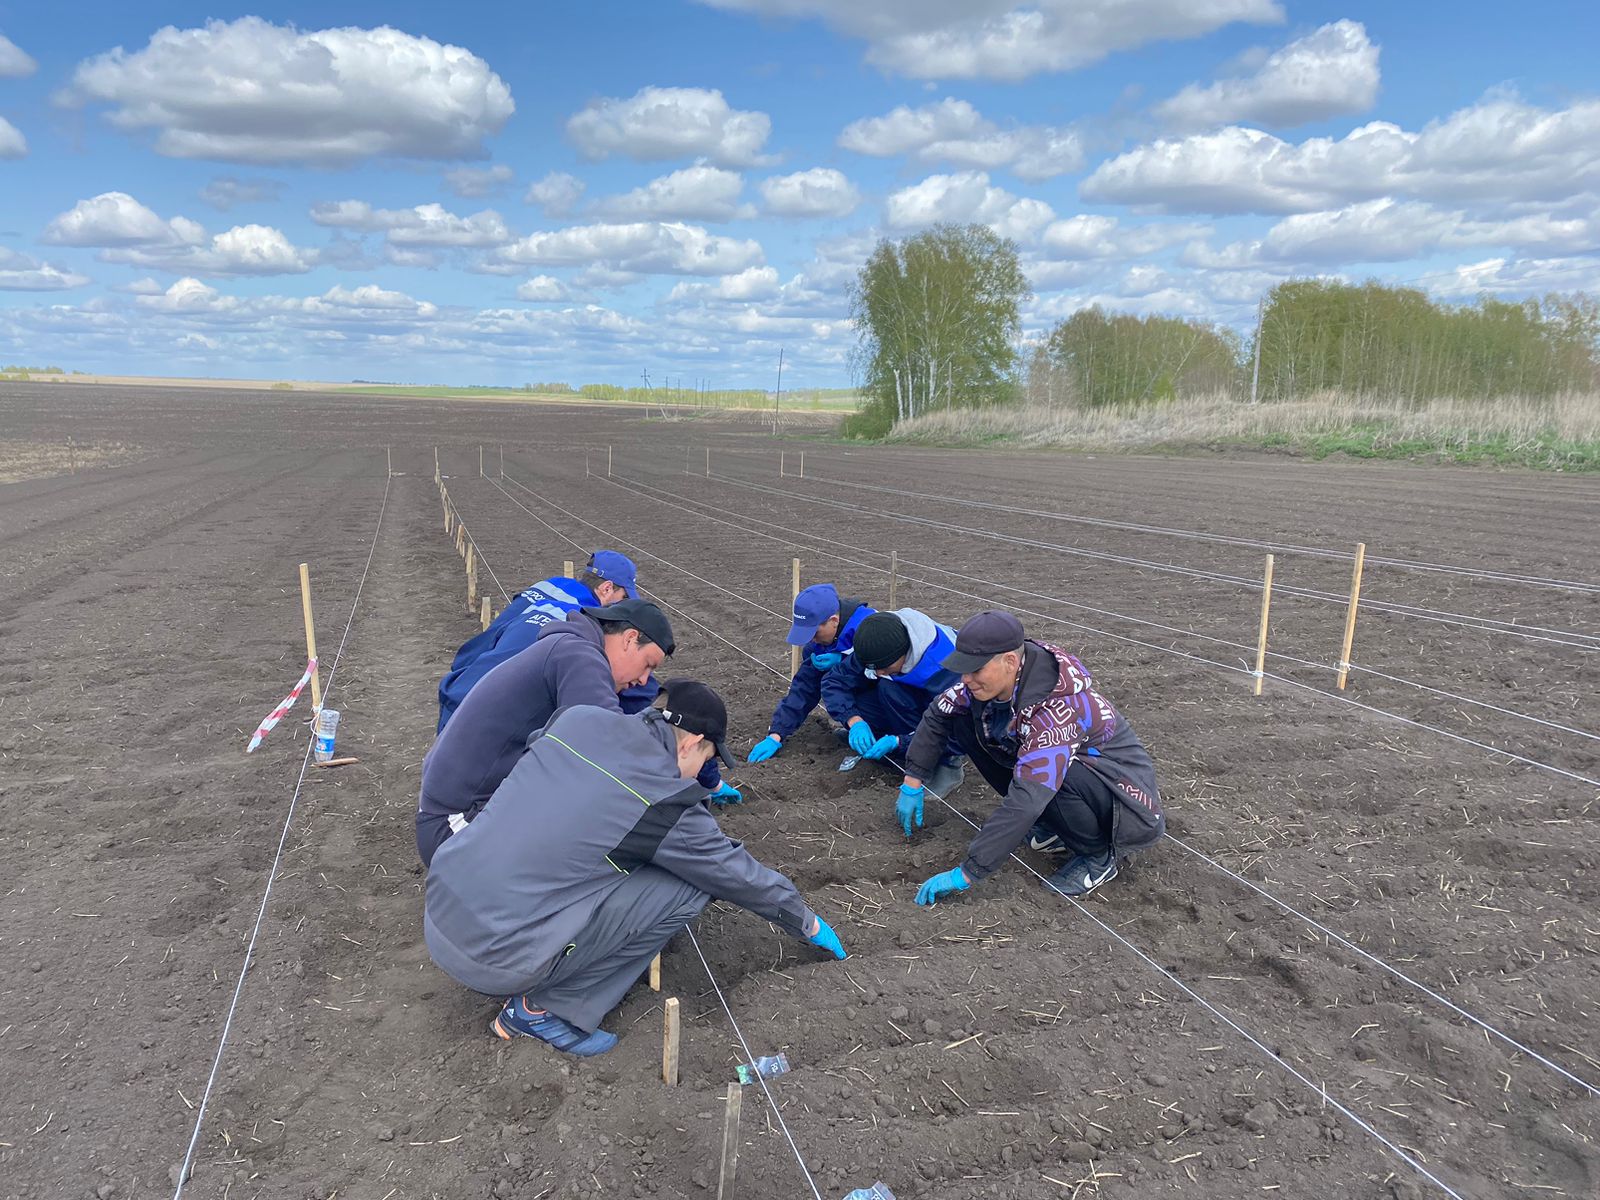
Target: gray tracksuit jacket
[[596, 795]]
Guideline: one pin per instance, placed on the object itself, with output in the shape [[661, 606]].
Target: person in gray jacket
[[596, 849]]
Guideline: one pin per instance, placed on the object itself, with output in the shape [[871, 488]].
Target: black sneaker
[[1045, 840], [1083, 873]]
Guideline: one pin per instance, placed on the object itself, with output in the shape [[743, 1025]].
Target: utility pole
[[1255, 374]]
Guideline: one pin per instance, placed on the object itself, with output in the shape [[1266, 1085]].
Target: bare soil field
[[1005, 1043]]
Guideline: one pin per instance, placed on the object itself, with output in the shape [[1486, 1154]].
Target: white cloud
[[697, 193], [658, 123], [226, 191], [251, 91], [1327, 73], [1500, 150], [543, 287], [954, 131], [336, 306], [1095, 237], [557, 193], [141, 287], [819, 192], [641, 247], [128, 232], [967, 197], [755, 283], [19, 273], [1006, 39], [472, 182], [424, 225], [1528, 275], [12, 143], [14, 62], [117, 219]]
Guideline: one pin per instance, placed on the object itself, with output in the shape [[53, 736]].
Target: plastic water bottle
[[322, 729], [878, 1191], [768, 1065]]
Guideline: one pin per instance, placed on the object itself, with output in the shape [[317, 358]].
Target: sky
[[679, 189]]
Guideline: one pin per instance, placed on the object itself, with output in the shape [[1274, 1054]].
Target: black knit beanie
[[881, 641]]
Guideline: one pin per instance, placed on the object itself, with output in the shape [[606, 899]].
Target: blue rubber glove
[[943, 884], [726, 793], [909, 806], [826, 660], [826, 939], [765, 749], [887, 744], [861, 737]]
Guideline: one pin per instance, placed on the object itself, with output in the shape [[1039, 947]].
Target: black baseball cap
[[695, 708], [637, 614], [989, 633]]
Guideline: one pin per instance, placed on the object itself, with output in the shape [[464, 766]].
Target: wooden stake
[[480, 462], [472, 576], [780, 464], [708, 462], [894, 574], [730, 1143], [487, 615], [311, 636], [669, 1044], [388, 460], [802, 464], [608, 462], [1261, 643], [794, 582], [502, 462], [1350, 614], [437, 478], [655, 973], [567, 570]]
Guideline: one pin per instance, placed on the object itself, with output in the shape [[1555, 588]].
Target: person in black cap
[[588, 658], [595, 850], [1069, 765]]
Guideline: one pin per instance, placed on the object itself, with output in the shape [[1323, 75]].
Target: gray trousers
[[629, 928]]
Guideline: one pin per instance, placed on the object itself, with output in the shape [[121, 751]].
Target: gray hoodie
[[597, 795]]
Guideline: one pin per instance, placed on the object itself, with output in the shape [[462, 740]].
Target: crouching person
[[592, 853], [1068, 764]]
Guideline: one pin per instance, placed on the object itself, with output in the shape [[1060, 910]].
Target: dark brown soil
[[998, 1045]]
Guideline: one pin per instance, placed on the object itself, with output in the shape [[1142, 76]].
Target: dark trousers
[[1082, 812]]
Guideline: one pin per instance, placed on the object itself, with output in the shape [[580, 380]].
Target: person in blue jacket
[[825, 628], [884, 684], [608, 577]]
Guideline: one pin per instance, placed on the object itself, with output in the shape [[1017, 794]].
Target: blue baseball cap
[[811, 608], [615, 568]]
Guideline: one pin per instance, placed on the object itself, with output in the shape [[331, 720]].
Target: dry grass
[[1564, 431], [31, 460]]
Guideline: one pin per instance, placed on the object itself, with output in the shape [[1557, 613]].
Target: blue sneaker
[[1082, 873], [516, 1019]]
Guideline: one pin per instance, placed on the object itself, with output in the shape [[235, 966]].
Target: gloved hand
[[726, 793], [765, 748], [887, 744], [909, 806], [943, 884], [861, 737], [826, 939], [826, 660]]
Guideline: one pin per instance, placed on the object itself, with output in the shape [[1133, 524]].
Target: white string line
[[1509, 712], [1286, 907], [1167, 649], [749, 1057], [1462, 620], [1395, 971], [266, 894], [444, 494], [1409, 564]]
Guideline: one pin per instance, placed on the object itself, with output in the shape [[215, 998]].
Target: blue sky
[[445, 193]]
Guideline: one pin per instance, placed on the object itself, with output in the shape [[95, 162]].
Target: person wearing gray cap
[[1043, 736]]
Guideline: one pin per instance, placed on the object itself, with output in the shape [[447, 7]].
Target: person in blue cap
[[824, 628], [605, 579]]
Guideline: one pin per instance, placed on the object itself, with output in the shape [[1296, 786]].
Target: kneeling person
[[593, 853], [825, 629], [890, 676], [1028, 714]]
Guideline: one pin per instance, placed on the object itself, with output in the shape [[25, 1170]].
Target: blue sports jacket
[[805, 690], [901, 699]]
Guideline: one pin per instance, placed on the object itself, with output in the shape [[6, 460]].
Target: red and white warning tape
[[284, 706]]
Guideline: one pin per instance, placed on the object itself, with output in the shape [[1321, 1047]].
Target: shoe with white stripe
[[1083, 873], [1045, 840]]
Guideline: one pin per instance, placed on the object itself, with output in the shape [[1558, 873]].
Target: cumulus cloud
[[1501, 150], [819, 192], [543, 287], [19, 273], [658, 123], [557, 193], [250, 91], [336, 306], [227, 191], [697, 193], [1098, 237], [126, 231], [967, 197], [755, 283], [117, 219], [1005, 39], [472, 182], [639, 247], [954, 131], [1324, 74], [14, 62], [424, 225], [12, 143]]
